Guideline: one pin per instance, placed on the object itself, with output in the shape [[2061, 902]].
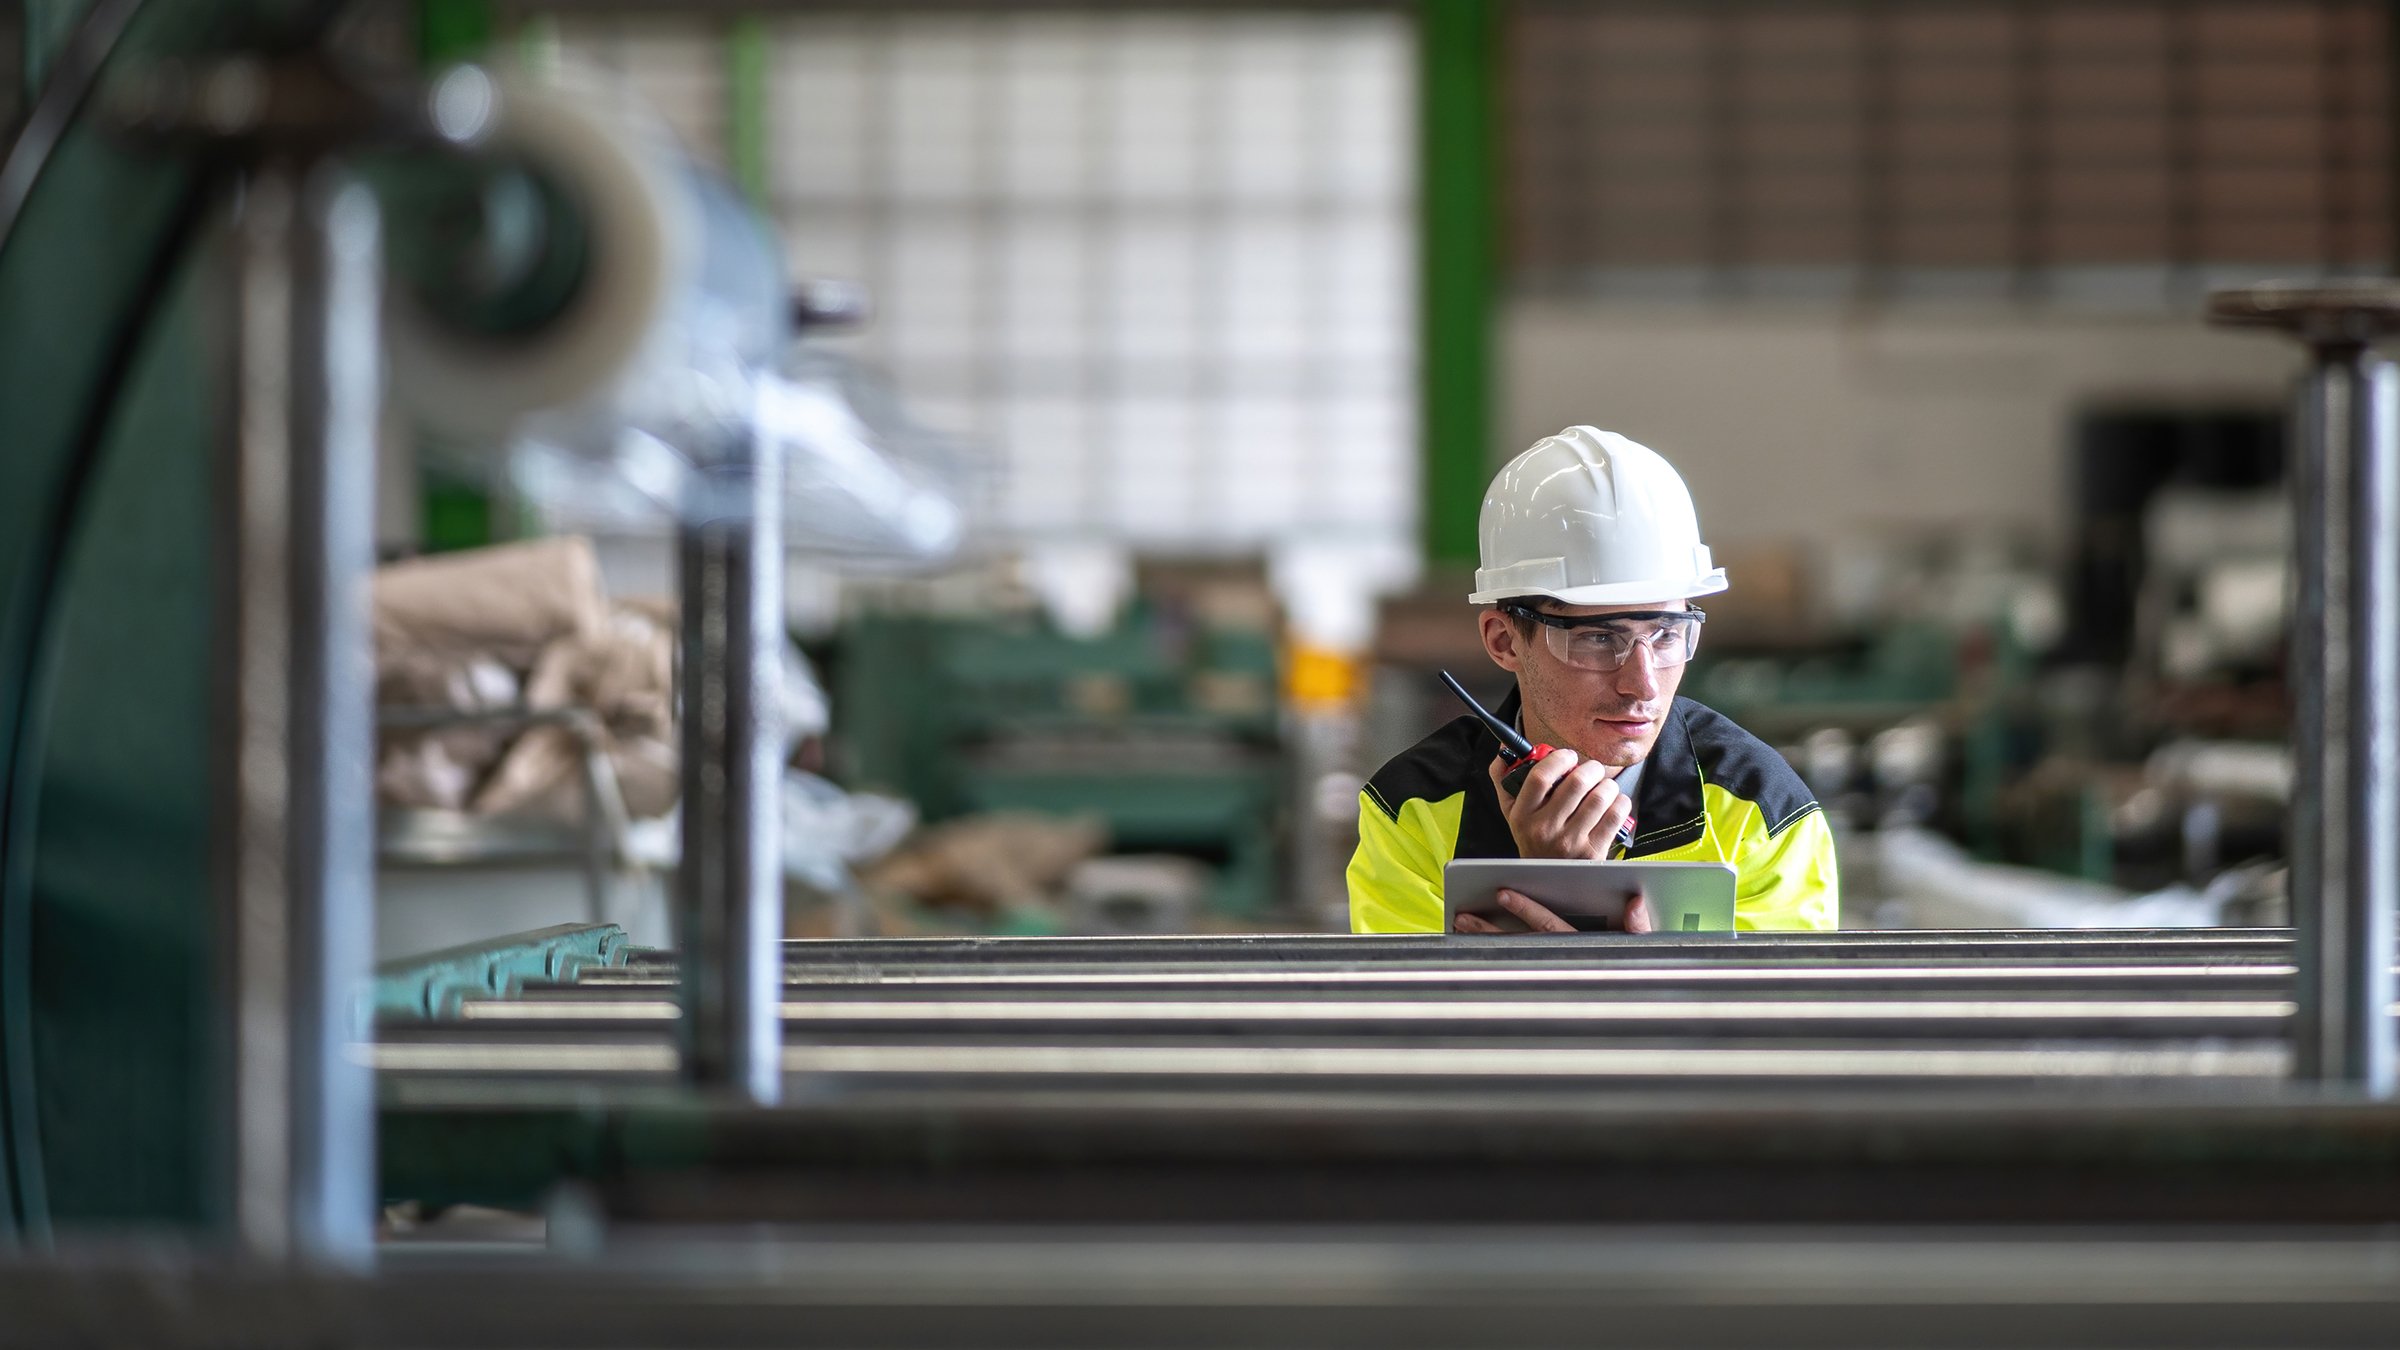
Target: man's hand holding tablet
[[1539, 919], [1568, 807]]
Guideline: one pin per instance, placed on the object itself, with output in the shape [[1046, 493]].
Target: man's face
[[1611, 716]]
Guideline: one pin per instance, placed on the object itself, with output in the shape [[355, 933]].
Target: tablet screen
[[1685, 897]]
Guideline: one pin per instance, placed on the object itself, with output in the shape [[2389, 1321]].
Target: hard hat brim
[[1614, 593]]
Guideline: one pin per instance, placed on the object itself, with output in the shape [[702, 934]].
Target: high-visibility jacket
[[1708, 792]]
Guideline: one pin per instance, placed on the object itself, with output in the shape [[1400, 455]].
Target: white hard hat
[[1588, 517]]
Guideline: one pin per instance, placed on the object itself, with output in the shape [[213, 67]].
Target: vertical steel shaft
[[730, 885], [297, 667], [2345, 817]]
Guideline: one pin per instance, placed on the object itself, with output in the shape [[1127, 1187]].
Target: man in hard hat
[[1591, 559]]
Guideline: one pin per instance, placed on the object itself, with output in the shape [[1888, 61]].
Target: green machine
[[1164, 730], [112, 1040], [192, 270]]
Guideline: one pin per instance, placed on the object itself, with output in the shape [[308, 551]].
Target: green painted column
[[454, 506], [746, 108], [453, 30], [1458, 190]]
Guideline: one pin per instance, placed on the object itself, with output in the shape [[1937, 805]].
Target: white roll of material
[[624, 173], [621, 408]]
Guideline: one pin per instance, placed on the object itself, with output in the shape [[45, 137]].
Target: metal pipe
[[2345, 811], [730, 885], [1246, 1062], [298, 760], [1441, 949]]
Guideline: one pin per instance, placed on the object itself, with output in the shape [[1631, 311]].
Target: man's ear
[[1500, 639]]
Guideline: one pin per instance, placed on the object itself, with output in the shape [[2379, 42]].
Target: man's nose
[[1637, 679]]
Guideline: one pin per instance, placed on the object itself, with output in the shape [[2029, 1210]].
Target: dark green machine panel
[[122, 919], [108, 1032]]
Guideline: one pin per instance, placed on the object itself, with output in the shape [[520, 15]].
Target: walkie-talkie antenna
[[1516, 745], [1520, 753]]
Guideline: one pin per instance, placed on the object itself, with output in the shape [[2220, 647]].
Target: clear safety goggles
[[1605, 642]]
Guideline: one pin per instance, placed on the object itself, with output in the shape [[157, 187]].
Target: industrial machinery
[[2119, 1139], [1162, 729]]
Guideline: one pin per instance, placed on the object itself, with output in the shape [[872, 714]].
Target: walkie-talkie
[[1522, 754]]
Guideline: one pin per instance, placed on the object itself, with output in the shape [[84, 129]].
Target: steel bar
[[1275, 946], [298, 883], [2345, 663], [1417, 983], [1310, 979], [1512, 1144], [1689, 988], [1117, 958], [1683, 1017], [1462, 1067], [1722, 979], [729, 886], [872, 959], [1406, 1288]]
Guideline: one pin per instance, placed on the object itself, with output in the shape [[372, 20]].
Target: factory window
[[2123, 152], [1159, 262]]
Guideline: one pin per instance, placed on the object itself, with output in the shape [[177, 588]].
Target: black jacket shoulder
[[1456, 759], [1453, 757], [1742, 764]]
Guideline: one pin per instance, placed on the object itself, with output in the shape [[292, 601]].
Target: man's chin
[[1622, 743]]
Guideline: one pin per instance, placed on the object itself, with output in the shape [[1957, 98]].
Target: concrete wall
[[1807, 427]]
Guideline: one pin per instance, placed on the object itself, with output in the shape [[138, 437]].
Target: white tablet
[[1685, 897]]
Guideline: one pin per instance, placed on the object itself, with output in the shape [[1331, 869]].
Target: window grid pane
[[1865, 148], [1159, 262]]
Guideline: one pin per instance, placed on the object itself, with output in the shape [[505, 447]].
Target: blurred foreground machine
[[2091, 1139]]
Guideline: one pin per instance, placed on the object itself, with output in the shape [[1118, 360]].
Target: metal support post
[[730, 886], [2345, 671], [297, 668]]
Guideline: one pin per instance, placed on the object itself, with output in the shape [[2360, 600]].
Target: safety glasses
[[1605, 642]]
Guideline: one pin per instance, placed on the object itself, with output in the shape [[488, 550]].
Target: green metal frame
[[1458, 44], [112, 1035]]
